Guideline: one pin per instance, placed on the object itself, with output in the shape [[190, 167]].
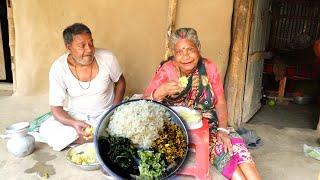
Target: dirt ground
[[281, 156]]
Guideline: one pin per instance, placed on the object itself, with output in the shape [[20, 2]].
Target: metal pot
[[306, 99], [20, 143], [101, 132]]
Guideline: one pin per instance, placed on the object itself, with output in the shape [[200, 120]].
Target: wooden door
[[318, 129], [259, 37], [2, 63]]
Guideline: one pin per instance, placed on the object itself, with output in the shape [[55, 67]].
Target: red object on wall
[[316, 69], [268, 68], [291, 70], [316, 48], [304, 70]]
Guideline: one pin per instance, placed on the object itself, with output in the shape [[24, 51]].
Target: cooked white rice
[[139, 121]]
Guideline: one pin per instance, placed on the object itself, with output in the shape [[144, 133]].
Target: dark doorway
[[291, 78], [5, 40]]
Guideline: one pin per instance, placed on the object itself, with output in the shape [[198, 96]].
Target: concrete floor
[[281, 156], [291, 115], [284, 129], [43, 159]]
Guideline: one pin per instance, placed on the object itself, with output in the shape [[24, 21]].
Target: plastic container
[[191, 117], [200, 169]]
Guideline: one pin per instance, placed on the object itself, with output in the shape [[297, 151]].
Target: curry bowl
[[84, 157], [141, 148]]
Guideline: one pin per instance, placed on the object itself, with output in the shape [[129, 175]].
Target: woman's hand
[[225, 139], [170, 88]]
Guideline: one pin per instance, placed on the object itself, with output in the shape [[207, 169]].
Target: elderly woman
[[203, 92]]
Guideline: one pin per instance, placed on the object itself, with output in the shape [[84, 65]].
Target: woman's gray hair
[[184, 33]]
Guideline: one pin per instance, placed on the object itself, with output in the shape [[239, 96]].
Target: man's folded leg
[[57, 135]]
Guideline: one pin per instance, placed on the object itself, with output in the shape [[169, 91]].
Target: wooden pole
[[318, 130], [2, 62], [236, 72], [282, 87], [12, 41], [170, 25]]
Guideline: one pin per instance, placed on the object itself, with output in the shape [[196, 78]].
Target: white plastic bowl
[[191, 117]]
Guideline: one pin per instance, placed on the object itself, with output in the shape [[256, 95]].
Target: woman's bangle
[[224, 130]]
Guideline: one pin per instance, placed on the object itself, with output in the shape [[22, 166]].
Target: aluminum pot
[[101, 132], [306, 99], [20, 143]]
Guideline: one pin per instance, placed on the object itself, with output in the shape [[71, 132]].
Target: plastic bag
[[35, 124], [310, 151]]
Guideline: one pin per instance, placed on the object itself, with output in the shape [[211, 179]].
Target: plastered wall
[[134, 30]]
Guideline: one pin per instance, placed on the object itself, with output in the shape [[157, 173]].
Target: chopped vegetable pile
[[151, 165]]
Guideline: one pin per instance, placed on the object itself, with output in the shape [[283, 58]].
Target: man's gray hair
[[184, 33], [74, 29]]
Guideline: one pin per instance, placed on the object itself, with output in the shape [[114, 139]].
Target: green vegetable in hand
[[183, 81]]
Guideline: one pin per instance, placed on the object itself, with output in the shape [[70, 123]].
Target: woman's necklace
[[77, 76]]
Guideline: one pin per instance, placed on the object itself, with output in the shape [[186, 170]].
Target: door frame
[[236, 71], [8, 43], [2, 58]]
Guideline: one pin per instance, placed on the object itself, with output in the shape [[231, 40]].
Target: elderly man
[[83, 84]]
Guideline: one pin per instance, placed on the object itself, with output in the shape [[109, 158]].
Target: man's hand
[[62, 116], [89, 133], [80, 126]]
